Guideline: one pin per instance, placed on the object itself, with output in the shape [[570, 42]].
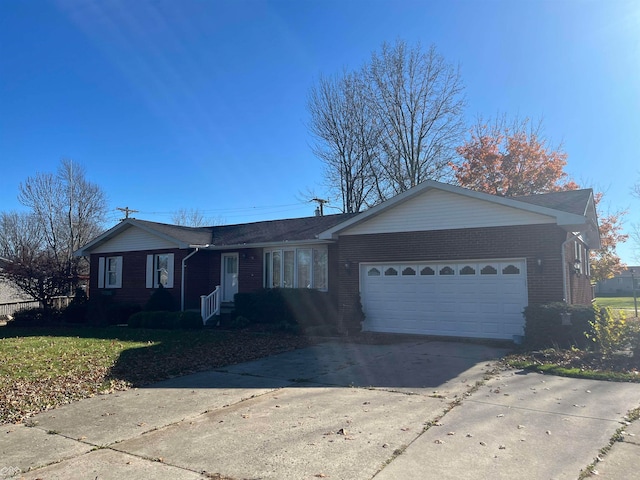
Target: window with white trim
[[160, 270], [578, 255], [110, 272], [303, 267]]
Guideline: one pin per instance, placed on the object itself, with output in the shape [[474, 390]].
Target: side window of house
[[160, 270], [578, 256], [296, 268], [110, 272]]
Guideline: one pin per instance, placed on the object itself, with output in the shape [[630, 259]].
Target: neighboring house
[[436, 259], [621, 284]]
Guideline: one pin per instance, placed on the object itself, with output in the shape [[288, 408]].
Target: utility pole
[[126, 211], [633, 288], [321, 203]]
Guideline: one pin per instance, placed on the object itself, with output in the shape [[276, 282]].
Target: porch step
[[222, 319], [226, 307]]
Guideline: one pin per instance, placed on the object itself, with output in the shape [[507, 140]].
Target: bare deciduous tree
[[188, 218], [385, 128], [66, 212], [418, 98], [193, 217], [635, 236], [347, 137], [28, 264]]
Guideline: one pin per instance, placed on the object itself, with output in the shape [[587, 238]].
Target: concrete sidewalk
[[412, 409]]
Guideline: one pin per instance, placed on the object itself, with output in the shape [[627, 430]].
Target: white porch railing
[[210, 305]]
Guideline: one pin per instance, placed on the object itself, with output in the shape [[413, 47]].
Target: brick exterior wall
[[532, 242], [250, 270], [545, 283], [203, 273], [197, 279], [134, 273], [580, 290]]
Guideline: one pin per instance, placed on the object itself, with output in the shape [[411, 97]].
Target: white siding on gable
[[440, 210], [133, 239]]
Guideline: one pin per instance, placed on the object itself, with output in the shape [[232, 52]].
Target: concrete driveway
[[412, 409]]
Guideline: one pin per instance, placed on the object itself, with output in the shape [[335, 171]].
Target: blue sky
[[202, 104]]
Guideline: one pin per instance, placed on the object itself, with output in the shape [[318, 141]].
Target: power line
[[225, 210]]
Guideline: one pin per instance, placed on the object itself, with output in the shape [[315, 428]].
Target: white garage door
[[481, 299]]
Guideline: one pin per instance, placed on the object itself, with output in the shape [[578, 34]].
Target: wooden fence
[[7, 309]]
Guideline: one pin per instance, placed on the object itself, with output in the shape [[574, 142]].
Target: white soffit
[[438, 209]]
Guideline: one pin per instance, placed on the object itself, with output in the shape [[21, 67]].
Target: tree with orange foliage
[[512, 159], [605, 262]]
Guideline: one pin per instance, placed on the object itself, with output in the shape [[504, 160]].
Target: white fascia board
[[562, 218], [286, 243], [117, 230]]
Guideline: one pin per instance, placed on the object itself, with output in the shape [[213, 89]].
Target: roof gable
[[464, 208], [437, 209], [137, 235]]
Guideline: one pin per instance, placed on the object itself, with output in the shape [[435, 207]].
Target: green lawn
[[46, 367], [617, 303]]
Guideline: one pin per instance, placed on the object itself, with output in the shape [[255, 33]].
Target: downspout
[[564, 267], [184, 267]]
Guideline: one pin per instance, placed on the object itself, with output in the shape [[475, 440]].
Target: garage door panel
[[471, 308], [490, 328], [486, 308], [487, 302]]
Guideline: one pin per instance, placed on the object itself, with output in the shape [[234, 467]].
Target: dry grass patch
[[43, 368]]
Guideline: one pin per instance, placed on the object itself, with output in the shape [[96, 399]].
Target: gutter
[[184, 267], [282, 243]]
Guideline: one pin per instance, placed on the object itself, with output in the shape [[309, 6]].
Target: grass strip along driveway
[[43, 368], [625, 304]]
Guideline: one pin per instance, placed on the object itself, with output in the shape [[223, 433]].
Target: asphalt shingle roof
[[190, 235], [307, 228], [570, 201], [291, 229]]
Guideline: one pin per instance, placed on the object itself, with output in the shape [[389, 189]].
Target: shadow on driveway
[[406, 365]]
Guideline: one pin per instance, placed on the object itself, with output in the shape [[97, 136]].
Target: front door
[[229, 276]]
